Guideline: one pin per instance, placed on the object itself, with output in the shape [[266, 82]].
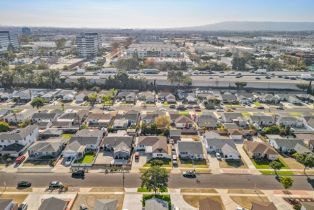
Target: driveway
[[213, 163], [137, 164], [132, 201], [178, 201], [247, 159]]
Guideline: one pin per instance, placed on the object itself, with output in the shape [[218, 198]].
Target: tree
[[4, 127], [92, 98], [24, 124], [276, 165], [286, 181], [156, 162], [240, 85], [306, 159], [155, 178], [162, 122], [60, 43], [38, 102]]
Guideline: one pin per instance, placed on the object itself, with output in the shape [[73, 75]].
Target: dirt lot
[[246, 201], [193, 200], [90, 199], [198, 190], [17, 198], [291, 163]]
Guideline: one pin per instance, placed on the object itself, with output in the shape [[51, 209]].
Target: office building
[[8, 41], [88, 44]]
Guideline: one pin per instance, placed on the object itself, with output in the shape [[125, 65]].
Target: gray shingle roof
[[53, 204], [18, 134], [190, 147]]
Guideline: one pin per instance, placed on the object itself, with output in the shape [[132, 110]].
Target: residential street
[[222, 181]]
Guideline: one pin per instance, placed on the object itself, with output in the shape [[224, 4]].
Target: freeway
[[223, 181]]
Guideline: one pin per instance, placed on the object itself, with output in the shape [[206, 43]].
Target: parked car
[[22, 206], [55, 185], [78, 174], [218, 156], [20, 159], [258, 78], [137, 156], [174, 160], [68, 161], [260, 107], [181, 107], [172, 106], [24, 184], [189, 174]]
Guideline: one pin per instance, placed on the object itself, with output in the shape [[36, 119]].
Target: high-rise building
[[88, 44], [8, 41], [26, 31]]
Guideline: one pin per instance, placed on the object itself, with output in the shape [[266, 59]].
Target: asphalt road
[[223, 181]]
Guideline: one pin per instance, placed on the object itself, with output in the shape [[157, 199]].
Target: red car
[[20, 159]]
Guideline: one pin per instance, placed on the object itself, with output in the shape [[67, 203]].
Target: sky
[[149, 13]]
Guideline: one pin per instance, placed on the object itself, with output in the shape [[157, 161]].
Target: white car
[[218, 156], [240, 208]]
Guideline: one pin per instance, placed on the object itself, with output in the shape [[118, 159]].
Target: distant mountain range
[[252, 26]]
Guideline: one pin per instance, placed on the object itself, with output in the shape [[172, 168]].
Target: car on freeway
[[172, 106], [181, 107], [189, 174], [24, 184], [258, 78], [78, 174]]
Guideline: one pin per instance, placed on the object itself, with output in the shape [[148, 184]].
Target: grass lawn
[[264, 164], [257, 104], [185, 113], [143, 169], [291, 163], [246, 201], [198, 190], [193, 200], [295, 114], [246, 115], [162, 197], [280, 173], [196, 163], [232, 164], [88, 158], [38, 163], [166, 162], [67, 136], [144, 189]]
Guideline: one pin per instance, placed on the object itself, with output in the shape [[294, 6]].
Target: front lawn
[[66, 136], [232, 164], [165, 162], [280, 173], [162, 197], [184, 113], [87, 159], [144, 189], [263, 163], [187, 163]]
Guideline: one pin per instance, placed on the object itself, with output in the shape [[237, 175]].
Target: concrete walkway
[[178, 201], [246, 159], [132, 201]]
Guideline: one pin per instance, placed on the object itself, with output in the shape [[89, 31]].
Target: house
[[121, 146], [130, 97], [269, 99], [131, 118], [191, 98], [18, 117], [148, 97], [53, 203], [42, 149], [83, 141], [236, 135], [123, 94], [207, 120], [229, 98], [190, 150], [260, 150], [23, 95], [289, 121], [154, 145], [311, 145], [70, 120], [4, 112], [50, 132], [44, 117], [170, 98], [245, 97], [226, 147], [183, 122], [105, 204], [150, 117], [156, 204], [234, 117], [66, 95], [289, 145], [262, 120], [80, 98], [263, 206], [15, 142], [175, 134], [6, 204], [309, 122], [294, 100], [99, 120], [209, 204]]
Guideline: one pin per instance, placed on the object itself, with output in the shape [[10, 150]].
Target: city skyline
[[149, 14]]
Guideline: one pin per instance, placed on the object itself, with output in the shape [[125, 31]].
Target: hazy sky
[[149, 13]]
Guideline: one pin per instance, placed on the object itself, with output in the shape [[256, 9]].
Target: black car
[[189, 174], [172, 106], [24, 184], [78, 174], [260, 107]]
